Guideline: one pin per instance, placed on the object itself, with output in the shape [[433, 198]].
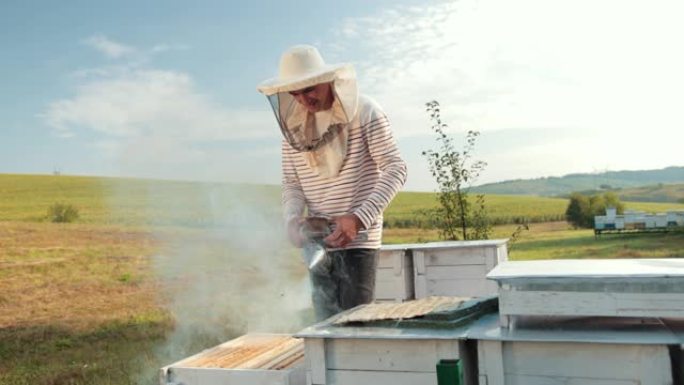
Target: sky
[[167, 89]]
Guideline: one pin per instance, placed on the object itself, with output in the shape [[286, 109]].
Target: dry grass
[[85, 304], [78, 304], [73, 276]]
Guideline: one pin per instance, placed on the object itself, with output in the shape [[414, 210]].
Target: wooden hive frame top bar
[[251, 351]]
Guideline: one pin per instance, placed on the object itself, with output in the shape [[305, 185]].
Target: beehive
[[252, 359], [456, 268], [394, 274], [603, 288], [576, 351], [378, 349]]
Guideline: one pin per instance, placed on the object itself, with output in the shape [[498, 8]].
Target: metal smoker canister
[[314, 230]]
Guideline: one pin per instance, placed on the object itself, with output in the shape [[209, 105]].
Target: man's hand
[[294, 231], [346, 228]]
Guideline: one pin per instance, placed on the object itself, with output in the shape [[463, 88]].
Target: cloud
[[109, 47], [129, 103], [160, 48], [499, 64], [157, 123], [554, 87]]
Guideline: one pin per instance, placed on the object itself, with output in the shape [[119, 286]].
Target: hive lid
[[446, 313], [445, 244], [589, 268], [399, 311], [448, 319]]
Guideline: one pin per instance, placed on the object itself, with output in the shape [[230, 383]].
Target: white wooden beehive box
[[599, 288], [456, 268], [394, 274], [560, 363], [252, 359], [576, 350], [380, 361], [384, 354]]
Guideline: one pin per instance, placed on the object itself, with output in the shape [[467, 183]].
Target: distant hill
[[653, 193], [560, 186]]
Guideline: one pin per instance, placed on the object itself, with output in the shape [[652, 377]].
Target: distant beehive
[[637, 220]]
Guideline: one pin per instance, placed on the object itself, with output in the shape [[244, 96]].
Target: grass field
[[154, 271], [138, 202]]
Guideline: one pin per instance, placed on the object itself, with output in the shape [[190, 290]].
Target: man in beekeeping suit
[[340, 161]]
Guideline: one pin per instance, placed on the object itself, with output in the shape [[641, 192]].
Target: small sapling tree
[[455, 171]]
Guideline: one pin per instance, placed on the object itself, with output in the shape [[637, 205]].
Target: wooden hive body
[[252, 359], [551, 363], [384, 350], [394, 274], [598, 322], [456, 268], [577, 350], [604, 288]]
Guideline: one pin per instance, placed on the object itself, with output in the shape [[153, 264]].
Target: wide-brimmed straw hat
[[302, 66]]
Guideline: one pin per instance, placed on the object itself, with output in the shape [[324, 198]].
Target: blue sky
[[166, 89]]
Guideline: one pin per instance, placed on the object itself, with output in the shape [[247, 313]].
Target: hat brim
[[325, 74]]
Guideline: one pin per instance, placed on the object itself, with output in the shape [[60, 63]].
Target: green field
[[142, 202], [156, 270]]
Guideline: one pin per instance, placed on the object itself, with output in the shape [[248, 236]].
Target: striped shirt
[[371, 175]]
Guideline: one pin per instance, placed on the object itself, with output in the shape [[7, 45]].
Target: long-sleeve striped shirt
[[371, 175]]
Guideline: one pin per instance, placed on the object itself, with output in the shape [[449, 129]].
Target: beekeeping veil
[[321, 136]]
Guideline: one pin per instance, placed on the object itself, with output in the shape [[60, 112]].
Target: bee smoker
[[314, 230]]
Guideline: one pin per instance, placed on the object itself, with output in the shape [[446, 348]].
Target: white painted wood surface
[[544, 380], [394, 275], [607, 304], [464, 287], [610, 288], [378, 361], [490, 363], [457, 269], [573, 363], [447, 244], [314, 357], [583, 268], [213, 376], [370, 377], [388, 355]]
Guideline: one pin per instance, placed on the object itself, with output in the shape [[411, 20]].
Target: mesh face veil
[[320, 134], [306, 131]]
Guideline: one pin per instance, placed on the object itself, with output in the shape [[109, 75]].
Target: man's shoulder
[[369, 109]]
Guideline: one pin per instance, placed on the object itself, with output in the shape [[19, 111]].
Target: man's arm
[[292, 195], [384, 151]]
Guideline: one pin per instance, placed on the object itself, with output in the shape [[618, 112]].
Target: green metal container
[[449, 372]]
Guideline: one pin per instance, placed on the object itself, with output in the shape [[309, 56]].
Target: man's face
[[315, 98]]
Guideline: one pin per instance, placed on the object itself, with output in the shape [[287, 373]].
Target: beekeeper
[[340, 161]]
